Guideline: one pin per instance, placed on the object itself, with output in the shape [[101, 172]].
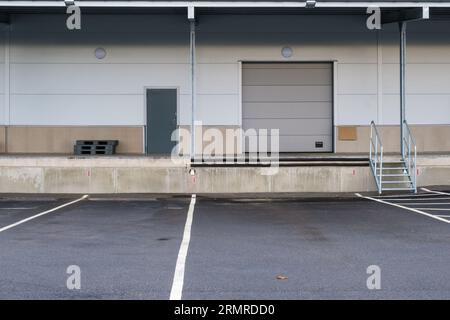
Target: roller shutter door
[[295, 98]]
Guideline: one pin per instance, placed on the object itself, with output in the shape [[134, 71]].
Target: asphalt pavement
[[239, 248]]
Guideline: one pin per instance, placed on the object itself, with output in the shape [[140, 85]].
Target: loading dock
[[296, 98]]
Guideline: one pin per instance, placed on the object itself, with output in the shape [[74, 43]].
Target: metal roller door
[[295, 98]]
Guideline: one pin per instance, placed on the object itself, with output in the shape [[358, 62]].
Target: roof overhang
[[318, 7], [226, 4]]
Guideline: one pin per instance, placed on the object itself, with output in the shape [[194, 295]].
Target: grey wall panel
[[356, 109], [295, 98], [96, 78], [286, 66], [286, 110], [3, 110], [95, 23], [391, 109], [152, 50], [218, 109], [2, 77], [216, 78], [356, 78], [302, 143], [420, 109], [433, 79], [293, 127], [137, 47], [423, 47], [77, 110], [306, 143], [286, 93], [287, 77], [282, 23]]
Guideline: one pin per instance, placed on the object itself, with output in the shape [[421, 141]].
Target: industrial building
[[137, 70]]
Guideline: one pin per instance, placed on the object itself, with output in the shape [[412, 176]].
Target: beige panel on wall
[[2, 140], [390, 137], [61, 139], [347, 133], [429, 138]]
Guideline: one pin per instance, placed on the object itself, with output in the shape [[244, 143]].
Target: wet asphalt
[[239, 249]]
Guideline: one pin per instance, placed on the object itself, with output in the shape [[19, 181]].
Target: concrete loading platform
[[140, 174]]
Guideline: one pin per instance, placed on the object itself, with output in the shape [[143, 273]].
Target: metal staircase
[[391, 175]]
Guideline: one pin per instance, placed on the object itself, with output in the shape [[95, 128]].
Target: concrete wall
[[146, 175], [54, 78]]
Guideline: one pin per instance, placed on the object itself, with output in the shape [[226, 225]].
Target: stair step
[[391, 168], [396, 182], [399, 161], [397, 189], [394, 175]]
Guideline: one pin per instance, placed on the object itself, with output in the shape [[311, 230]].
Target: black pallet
[[98, 142], [93, 153], [94, 149]]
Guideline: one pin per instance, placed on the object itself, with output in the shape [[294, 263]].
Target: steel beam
[[193, 87], [402, 26]]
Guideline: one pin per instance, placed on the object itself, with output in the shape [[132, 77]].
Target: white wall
[[56, 80], [428, 73]]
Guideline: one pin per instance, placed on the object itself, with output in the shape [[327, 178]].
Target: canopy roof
[[223, 6]]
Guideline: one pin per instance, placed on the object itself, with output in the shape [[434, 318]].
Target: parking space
[[125, 250], [321, 249], [223, 248], [431, 203]]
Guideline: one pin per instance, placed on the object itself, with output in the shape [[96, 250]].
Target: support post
[[402, 17], [402, 26], [193, 83], [7, 90]]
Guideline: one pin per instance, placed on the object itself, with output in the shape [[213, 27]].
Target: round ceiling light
[[287, 52], [100, 53]]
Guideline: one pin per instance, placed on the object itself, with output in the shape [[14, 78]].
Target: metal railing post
[[381, 171], [411, 158], [370, 143], [415, 168], [376, 156]]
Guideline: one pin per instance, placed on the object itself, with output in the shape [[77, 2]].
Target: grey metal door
[[161, 120], [295, 98]]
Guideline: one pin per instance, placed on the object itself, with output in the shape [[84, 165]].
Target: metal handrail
[[410, 154], [376, 156]]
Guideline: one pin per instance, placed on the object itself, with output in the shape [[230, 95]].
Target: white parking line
[[436, 192], [420, 199], [403, 207], [178, 278], [406, 195], [18, 208], [421, 204], [442, 216], [42, 213], [433, 209]]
